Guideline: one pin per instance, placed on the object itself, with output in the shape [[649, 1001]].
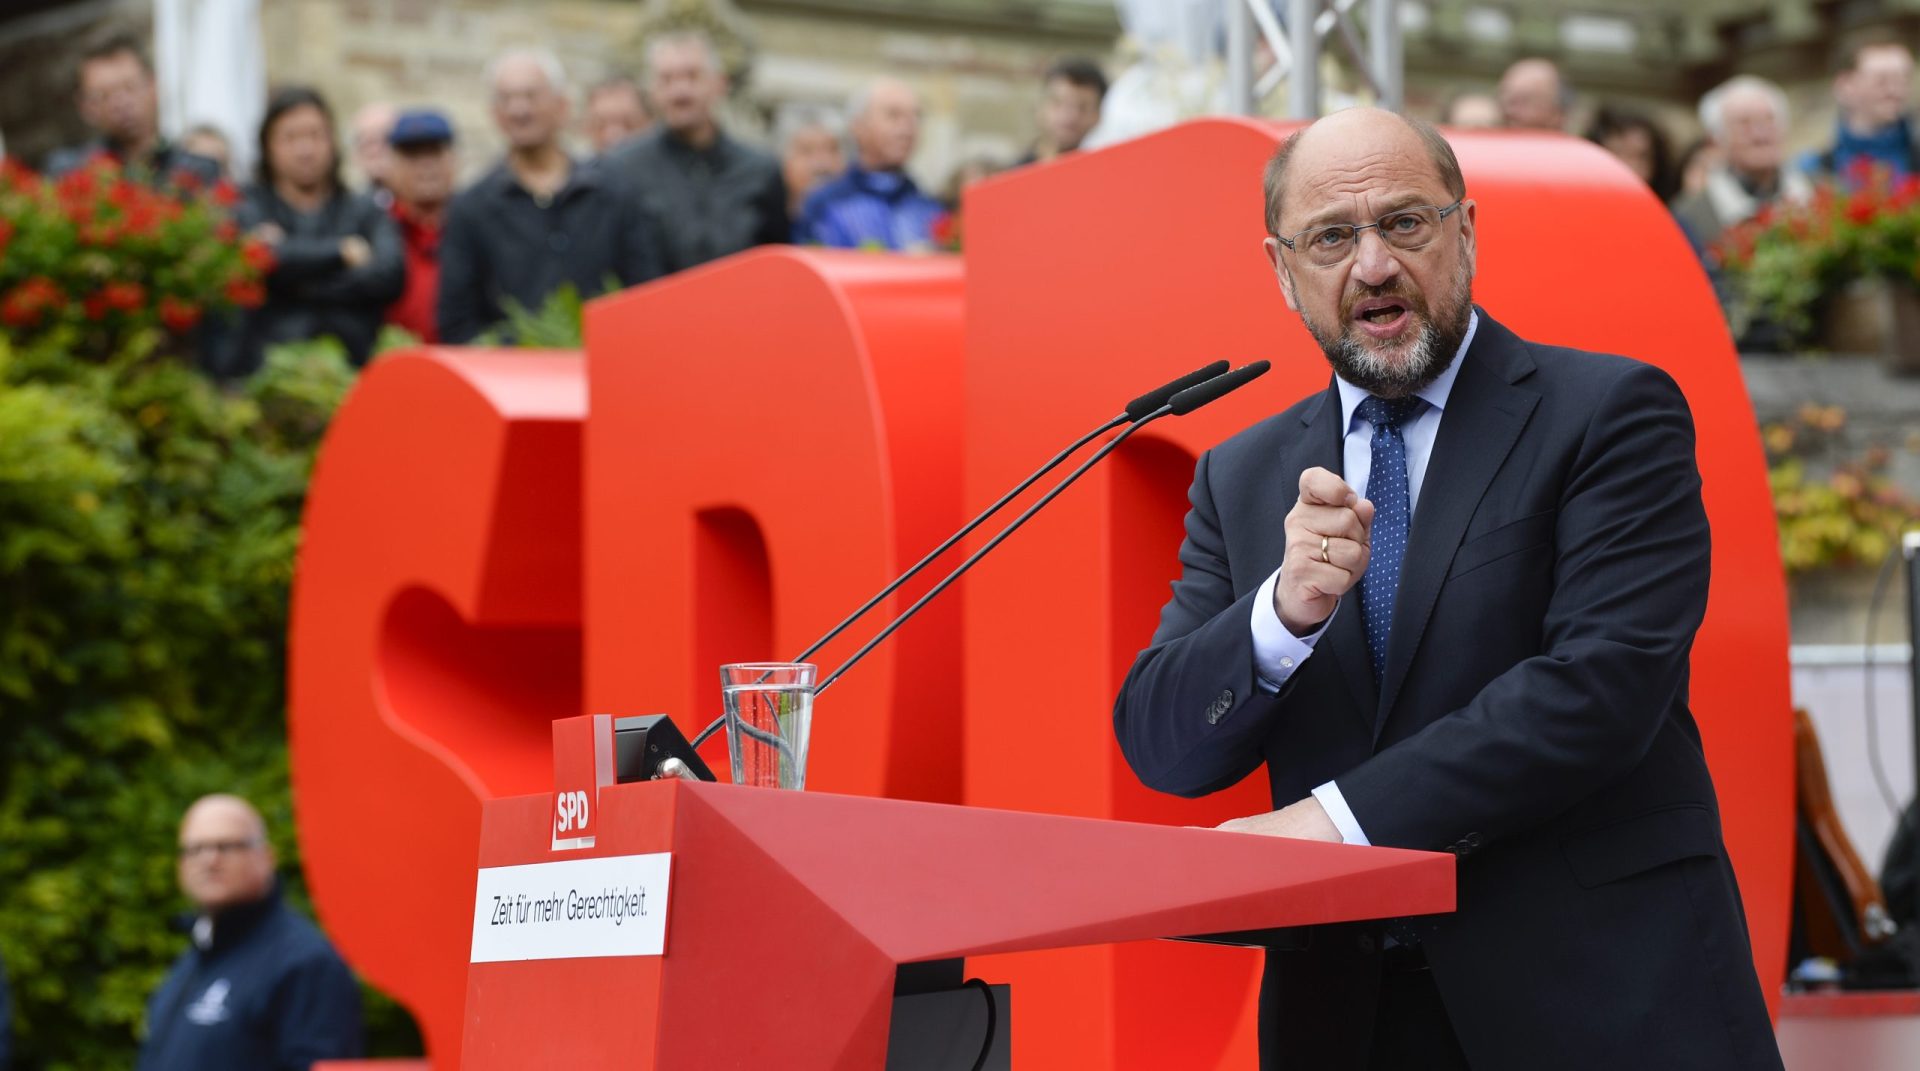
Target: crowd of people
[[1740, 164], [667, 187]]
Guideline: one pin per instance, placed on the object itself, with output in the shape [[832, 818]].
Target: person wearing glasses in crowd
[[258, 986], [1447, 602]]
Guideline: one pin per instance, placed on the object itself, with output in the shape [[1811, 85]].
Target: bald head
[[1348, 138], [225, 859], [886, 124], [1533, 96]]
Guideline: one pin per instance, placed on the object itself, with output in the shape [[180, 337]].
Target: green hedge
[[148, 522]]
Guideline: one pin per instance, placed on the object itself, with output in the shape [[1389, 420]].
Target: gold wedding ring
[[1324, 556]]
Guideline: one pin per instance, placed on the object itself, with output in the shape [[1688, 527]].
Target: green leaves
[[148, 522]]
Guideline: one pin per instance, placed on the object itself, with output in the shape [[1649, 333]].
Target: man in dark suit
[[1486, 654]]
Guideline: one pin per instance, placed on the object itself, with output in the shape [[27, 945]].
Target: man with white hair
[[1746, 117], [713, 195], [260, 987], [540, 220], [875, 205], [812, 150]]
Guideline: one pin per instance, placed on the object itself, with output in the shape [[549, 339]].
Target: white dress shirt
[[1278, 653]]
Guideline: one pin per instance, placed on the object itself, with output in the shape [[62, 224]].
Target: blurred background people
[[422, 175], [258, 987], [1534, 96], [710, 194], [1472, 109], [116, 97], [1695, 162], [1874, 92], [372, 156], [1070, 98], [1747, 119], [616, 112], [539, 220], [875, 204], [812, 150], [1639, 143], [209, 142], [337, 262]]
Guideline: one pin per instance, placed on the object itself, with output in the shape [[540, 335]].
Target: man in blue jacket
[[260, 987]]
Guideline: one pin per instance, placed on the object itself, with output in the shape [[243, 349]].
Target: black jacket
[[1532, 719], [500, 243], [709, 202], [268, 993], [311, 292]]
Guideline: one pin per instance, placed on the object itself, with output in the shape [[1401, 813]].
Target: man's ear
[[1280, 272], [1468, 218]]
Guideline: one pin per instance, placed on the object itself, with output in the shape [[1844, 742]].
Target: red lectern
[[787, 914]]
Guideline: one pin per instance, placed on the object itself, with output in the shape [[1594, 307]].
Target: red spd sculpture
[[495, 540]]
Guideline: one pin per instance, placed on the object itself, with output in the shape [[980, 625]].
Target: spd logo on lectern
[[571, 811]]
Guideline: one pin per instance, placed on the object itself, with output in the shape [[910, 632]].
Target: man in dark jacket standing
[[115, 93], [712, 195], [260, 988], [540, 220]]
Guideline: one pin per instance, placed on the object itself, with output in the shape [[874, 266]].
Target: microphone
[[1180, 403], [1135, 410]]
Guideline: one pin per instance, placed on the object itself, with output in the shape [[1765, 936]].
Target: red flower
[[943, 230], [227, 231], [258, 255], [246, 293], [6, 235], [15, 175], [95, 306], [124, 296], [225, 195], [27, 304], [178, 315], [1862, 209]]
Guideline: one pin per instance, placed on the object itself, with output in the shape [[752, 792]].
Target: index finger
[[1321, 487]]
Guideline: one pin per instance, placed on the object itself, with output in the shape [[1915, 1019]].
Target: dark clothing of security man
[[710, 201], [1449, 604], [260, 988]]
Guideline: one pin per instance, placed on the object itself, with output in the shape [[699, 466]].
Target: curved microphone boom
[[1135, 410], [1179, 404]]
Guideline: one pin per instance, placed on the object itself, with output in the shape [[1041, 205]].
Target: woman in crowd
[[1639, 143], [337, 259]]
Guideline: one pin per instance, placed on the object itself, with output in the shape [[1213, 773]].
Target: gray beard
[[1431, 352]]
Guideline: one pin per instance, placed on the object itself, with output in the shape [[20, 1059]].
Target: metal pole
[[1303, 80], [1383, 41], [1239, 57], [1910, 550]]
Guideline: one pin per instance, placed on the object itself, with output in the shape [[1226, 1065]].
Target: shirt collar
[[1434, 393]]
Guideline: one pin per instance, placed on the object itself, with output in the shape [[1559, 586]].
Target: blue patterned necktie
[[1392, 512]]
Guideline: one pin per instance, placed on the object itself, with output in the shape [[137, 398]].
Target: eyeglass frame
[[220, 849], [1375, 225]]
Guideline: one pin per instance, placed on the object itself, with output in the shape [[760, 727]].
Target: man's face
[[423, 175], [300, 148], [1388, 319], [527, 108], [812, 156], [614, 114], [224, 857], [1753, 139], [887, 130], [685, 83], [117, 99], [1530, 96], [371, 152], [1875, 93], [1068, 113]]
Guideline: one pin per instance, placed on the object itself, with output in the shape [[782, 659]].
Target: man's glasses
[[221, 848], [1406, 229]]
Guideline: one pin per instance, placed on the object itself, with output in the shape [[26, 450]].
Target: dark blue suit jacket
[[1532, 718]]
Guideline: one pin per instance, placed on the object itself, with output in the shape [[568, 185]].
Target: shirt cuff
[[1277, 652], [1336, 807]]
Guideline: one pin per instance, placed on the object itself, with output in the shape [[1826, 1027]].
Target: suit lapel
[[1345, 639], [1483, 418]]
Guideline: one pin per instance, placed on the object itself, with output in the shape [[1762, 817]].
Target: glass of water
[[769, 708]]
